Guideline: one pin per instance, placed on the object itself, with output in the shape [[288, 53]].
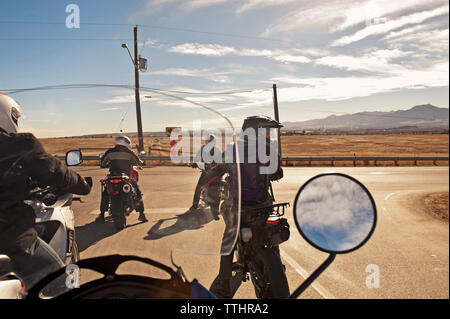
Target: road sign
[[170, 129]]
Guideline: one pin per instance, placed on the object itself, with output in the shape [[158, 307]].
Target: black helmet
[[257, 121]]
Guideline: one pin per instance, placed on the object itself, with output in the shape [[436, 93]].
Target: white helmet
[[123, 140], [10, 113]]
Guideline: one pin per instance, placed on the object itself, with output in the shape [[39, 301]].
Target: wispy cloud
[[195, 4], [109, 109], [378, 61], [209, 74], [202, 49], [290, 55], [342, 88], [154, 6], [259, 4], [433, 42], [391, 25], [339, 15]]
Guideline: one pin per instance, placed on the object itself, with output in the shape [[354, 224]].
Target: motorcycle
[[333, 212], [54, 223], [122, 195], [214, 191]]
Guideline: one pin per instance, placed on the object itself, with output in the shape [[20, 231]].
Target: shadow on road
[[89, 234], [191, 219]]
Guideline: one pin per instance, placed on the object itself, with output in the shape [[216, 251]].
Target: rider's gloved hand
[[81, 188]]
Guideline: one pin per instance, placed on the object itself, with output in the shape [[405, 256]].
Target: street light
[[125, 46]]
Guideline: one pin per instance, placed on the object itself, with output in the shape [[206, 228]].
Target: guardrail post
[[415, 161], [310, 163], [434, 162], [332, 162], [375, 162]]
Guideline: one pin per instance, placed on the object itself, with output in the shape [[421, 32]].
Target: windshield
[[197, 192]]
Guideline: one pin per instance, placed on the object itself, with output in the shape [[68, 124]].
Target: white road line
[[152, 211], [378, 173], [302, 272], [389, 196]]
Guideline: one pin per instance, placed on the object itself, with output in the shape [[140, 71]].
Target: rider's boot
[[101, 217], [222, 289], [140, 209], [215, 211], [142, 217]]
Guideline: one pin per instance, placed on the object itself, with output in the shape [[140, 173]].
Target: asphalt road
[[409, 250]]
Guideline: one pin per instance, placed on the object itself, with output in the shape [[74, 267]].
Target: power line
[[65, 39], [143, 26]]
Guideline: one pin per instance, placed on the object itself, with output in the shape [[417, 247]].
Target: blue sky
[[328, 56]]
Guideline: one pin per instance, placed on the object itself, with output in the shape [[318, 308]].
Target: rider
[[205, 166], [255, 186], [121, 159], [22, 160]]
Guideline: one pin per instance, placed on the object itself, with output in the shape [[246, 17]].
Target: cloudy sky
[[335, 213], [326, 57]]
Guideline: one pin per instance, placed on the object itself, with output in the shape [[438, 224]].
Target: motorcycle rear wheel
[[273, 273], [118, 213]]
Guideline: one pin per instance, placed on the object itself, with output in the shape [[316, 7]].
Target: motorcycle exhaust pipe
[[126, 188]]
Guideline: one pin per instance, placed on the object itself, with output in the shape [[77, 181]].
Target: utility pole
[[277, 117], [138, 98]]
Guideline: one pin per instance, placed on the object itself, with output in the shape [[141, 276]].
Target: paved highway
[[409, 249]]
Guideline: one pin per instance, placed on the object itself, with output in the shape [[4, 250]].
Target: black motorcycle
[[122, 197], [258, 255], [262, 230]]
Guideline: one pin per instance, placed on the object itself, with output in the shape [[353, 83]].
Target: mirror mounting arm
[[312, 277]]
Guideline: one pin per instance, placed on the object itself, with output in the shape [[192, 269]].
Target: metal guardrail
[[309, 159], [355, 159]]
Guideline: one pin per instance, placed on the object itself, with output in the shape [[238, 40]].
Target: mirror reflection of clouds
[[335, 213], [74, 157]]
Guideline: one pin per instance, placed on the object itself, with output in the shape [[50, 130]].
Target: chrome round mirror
[[73, 158], [335, 213]]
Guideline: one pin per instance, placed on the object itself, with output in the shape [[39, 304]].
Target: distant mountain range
[[417, 118], [420, 116]]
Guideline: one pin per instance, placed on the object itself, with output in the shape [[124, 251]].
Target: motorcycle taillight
[[115, 181], [272, 220]]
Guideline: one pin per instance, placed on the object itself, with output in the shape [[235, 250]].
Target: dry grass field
[[298, 145], [438, 205]]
